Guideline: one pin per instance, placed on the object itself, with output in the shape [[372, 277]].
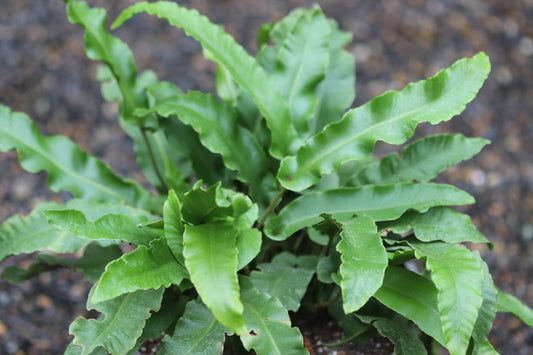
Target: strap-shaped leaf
[[129, 228], [197, 332], [459, 278], [487, 312], [301, 66], [28, 234], [120, 324], [142, 269], [438, 223], [233, 57], [364, 261], [421, 161], [391, 117], [268, 324], [337, 91], [32, 233], [511, 304], [403, 336], [102, 46], [211, 258], [286, 277], [379, 202], [68, 166], [216, 125], [174, 226], [414, 297]]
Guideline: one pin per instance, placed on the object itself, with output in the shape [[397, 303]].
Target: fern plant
[[269, 200]]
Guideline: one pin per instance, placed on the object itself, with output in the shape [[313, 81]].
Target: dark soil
[[44, 72]]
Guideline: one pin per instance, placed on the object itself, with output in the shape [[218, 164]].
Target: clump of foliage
[[269, 201]]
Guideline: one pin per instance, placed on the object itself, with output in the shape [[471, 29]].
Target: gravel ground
[[44, 72]]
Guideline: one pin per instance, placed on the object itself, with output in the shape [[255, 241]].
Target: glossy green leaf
[[32, 233], [121, 323], [391, 118], [211, 258], [379, 202], [102, 46], [77, 350], [174, 226], [68, 166], [364, 261], [282, 29], [348, 170], [459, 278], [337, 91], [268, 324], [197, 332], [234, 58], [161, 90], [421, 161], [301, 66], [484, 348], [511, 304], [438, 223], [414, 297], [286, 277], [142, 269], [159, 322], [216, 125], [130, 228], [248, 244], [20, 234], [401, 334], [487, 311]]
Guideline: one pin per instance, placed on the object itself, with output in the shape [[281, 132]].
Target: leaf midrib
[[114, 320], [53, 162], [393, 206], [329, 151]]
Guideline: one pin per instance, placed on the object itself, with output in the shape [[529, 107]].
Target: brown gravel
[[44, 72]]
